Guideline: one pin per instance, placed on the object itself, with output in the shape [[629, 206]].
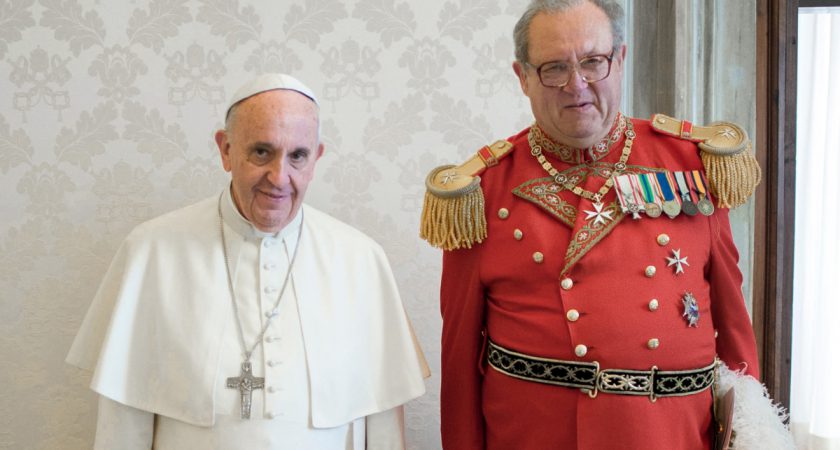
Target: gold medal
[[670, 205], [648, 191], [671, 208], [653, 210]]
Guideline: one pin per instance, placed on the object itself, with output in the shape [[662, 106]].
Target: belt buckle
[[624, 376]]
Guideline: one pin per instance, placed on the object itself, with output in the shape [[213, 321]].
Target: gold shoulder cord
[[453, 208], [727, 156]]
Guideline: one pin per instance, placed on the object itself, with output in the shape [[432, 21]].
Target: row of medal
[[664, 192]]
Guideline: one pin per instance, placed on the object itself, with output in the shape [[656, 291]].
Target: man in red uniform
[[586, 304]]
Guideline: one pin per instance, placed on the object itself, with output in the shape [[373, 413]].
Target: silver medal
[[705, 206]]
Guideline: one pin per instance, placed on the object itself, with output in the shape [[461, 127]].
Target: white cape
[[153, 331]]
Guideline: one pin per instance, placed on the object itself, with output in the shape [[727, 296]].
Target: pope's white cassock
[[339, 358]]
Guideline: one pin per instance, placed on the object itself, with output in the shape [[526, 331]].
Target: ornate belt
[[590, 378]]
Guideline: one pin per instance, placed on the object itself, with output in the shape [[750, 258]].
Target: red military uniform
[[550, 282]]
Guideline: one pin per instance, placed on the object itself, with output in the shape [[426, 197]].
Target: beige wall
[[107, 110]]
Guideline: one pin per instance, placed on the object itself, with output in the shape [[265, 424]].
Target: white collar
[[234, 219]]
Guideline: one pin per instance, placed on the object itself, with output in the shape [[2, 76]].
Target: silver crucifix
[[246, 383]]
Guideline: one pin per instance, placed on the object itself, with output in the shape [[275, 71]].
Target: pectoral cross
[[246, 383]]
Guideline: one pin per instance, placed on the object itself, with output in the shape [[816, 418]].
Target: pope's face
[[580, 113], [270, 148]]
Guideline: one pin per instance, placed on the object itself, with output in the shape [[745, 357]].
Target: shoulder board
[[726, 151], [453, 208], [723, 138]]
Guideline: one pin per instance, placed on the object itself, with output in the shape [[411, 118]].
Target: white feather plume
[[757, 422]]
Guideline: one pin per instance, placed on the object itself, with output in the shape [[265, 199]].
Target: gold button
[[653, 343], [650, 271], [581, 350], [538, 257], [517, 234], [503, 213], [653, 305], [573, 315], [567, 284], [663, 239]]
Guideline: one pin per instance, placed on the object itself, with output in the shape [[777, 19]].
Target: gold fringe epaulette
[[726, 151], [453, 208]]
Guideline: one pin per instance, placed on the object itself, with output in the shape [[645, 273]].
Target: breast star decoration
[[691, 311], [677, 261]]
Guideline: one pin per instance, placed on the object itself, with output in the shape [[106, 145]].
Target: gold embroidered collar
[[572, 155]]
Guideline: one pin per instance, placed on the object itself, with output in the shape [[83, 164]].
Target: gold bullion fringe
[[732, 178], [454, 222]]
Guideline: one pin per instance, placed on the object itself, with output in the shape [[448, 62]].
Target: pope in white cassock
[[250, 320]]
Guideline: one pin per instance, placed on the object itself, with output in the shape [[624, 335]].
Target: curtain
[[815, 388]]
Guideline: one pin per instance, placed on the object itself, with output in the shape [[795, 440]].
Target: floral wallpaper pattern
[[107, 114]]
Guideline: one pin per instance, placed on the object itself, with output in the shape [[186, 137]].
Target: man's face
[[580, 113], [270, 149]]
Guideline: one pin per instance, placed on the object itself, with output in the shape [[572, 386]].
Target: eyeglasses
[[558, 73]]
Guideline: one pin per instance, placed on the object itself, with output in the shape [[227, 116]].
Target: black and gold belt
[[591, 378]]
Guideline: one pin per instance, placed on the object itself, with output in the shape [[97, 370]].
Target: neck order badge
[[599, 215]]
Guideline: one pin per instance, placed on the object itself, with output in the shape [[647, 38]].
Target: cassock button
[[272, 363], [716, 334], [268, 243], [573, 315], [566, 284], [517, 234], [272, 389], [650, 271], [503, 213], [269, 266], [653, 344], [580, 350], [653, 305], [663, 239], [538, 257]]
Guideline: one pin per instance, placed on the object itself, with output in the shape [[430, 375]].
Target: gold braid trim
[[733, 178], [454, 222], [453, 207], [727, 156]]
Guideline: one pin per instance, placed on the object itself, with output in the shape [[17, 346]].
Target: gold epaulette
[[726, 151], [453, 208]]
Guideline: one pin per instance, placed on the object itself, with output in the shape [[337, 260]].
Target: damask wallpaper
[[107, 114]]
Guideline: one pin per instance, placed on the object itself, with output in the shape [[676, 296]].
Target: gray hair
[[613, 10]]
